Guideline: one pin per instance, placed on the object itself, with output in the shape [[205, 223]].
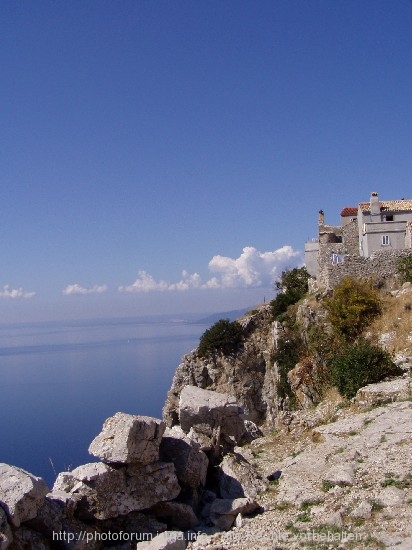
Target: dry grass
[[396, 320]]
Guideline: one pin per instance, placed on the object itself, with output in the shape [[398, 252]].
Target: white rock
[[168, 540], [382, 393], [190, 461], [21, 493], [340, 474], [223, 512], [105, 492], [334, 519], [363, 510], [207, 411], [391, 496], [126, 438], [238, 478]]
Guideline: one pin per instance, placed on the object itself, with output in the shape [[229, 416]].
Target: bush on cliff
[[352, 307], [292, 286], [224, 336], [360, 364], [294, 279]]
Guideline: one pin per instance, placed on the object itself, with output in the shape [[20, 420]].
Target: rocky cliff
[[249, 374]]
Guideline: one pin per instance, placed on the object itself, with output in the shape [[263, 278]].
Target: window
[[389, 218], [385, 240]]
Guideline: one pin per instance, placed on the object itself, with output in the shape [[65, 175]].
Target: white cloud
[[251, 269], [13, 293], [146, 283], [77, 289]]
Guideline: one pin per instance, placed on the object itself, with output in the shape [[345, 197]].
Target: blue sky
[[171, 156]]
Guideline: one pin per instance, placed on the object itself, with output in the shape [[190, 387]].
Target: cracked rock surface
[[343, 484]]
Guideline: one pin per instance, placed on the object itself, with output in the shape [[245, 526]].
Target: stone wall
[[382, 265], [350, 237]]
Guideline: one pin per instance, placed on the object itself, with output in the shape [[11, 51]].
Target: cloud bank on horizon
[[13, 293], [251, 269], [77, 289]]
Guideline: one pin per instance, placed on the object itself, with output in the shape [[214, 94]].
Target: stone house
[[369, 240]]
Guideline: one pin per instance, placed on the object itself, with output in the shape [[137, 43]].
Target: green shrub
[[282, 301], [292, 286], [294, 279], [352, 307], [360, 364], [405, 269], [224, 336]]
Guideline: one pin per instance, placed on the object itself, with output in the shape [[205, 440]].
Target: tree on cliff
[[295, 280], [291, 287], [223, 336]]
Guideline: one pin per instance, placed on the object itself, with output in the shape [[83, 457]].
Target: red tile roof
[[349, 211]]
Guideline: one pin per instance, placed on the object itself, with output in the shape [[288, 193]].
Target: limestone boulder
[[21, 494], [208, 412], [223, 512], [340, 474], [105, 492], [239, 478], [189, 460], [390, 391], [168, 540], [127, 438]]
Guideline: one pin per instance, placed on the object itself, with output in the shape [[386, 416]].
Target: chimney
[[375, 208], [321, 217]]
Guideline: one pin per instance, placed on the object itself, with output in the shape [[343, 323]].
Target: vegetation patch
[[224, 336], [405, 269], [352, 307], [359, 364], [327, 485], [292, 286], [393, 480]]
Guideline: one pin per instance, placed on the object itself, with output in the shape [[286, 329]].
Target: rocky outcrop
[[373, 395], [129, 439], [239, 478], [148, 481], [103, 491], [207, 411], [248, 375], [302, 383], [190, 461], [21, 494], [223, 512]]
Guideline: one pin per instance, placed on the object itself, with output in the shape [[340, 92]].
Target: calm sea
[[60, 381]]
